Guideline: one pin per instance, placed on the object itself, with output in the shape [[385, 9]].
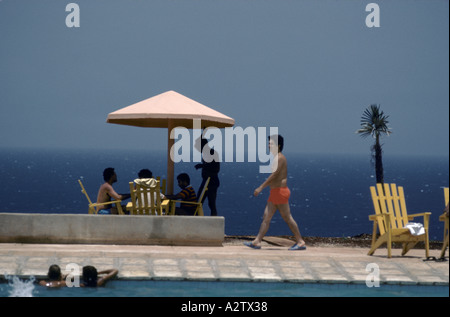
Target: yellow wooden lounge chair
[[147, 200], [391, 217], [199, 204], [93, 206], [444, 218]]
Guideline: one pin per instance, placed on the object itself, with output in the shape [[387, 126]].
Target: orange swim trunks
[[279, 195]]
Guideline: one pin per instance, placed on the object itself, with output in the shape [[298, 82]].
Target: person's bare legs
[[268, 214], [285, 212]]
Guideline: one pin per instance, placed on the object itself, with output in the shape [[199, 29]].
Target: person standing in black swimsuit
[[210, 168]]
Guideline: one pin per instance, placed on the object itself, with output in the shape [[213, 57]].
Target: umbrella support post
[[170, 163]]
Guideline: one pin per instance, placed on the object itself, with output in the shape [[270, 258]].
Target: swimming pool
[[130, 288]]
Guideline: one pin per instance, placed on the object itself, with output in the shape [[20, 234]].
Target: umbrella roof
[[169, 108]]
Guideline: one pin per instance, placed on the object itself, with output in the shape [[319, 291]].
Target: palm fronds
[[374, 123]]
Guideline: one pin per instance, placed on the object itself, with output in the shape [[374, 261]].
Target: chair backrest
[[162, 184], [446, 195], [85, 192], [145, 200], [205, 188], [390, 201]]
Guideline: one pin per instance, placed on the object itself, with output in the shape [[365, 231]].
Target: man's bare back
[[106, 192]]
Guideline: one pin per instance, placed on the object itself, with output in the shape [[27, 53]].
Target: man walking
[[279, 197]]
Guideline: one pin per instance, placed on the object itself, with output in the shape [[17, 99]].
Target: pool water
[[129, 288]]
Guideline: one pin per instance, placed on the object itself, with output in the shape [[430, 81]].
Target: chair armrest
[[129, 206], [184, 202], [107, 203], [188, 202], [423, 214], [443, 217], [420, 214], [375, 217], [426, 218]]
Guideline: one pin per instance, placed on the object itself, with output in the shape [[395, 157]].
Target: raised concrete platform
[[111, 229]]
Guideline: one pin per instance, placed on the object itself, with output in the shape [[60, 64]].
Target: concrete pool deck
[[231, 262]]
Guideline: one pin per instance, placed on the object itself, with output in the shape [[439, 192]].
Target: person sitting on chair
[[107, 193], [146, 179], [187, 194]]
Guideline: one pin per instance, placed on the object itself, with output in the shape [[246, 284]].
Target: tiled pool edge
[[226, 264]]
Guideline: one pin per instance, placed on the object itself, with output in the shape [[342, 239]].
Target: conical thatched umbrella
[[169, 110]]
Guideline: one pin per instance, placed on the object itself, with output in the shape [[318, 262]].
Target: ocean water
[[329, 193]]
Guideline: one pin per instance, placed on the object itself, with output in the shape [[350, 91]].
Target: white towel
[[415, 228], [147, 182]]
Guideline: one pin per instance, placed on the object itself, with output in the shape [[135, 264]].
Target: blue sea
[[330, 193]]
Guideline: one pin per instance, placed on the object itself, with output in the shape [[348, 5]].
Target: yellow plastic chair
[[444, 218], [199, 204], [147, 200], [390, 219], [93, 206]]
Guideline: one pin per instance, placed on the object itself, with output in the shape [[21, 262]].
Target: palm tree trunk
[[378, 162]]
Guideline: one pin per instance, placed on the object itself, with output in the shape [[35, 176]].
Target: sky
[[308, 67]]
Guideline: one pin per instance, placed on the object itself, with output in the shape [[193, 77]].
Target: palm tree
[[374, 123]]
